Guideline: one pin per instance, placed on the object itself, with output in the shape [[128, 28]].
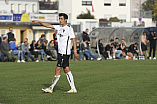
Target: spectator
[[102, 50], [117, 48], [85, 36], [34, 51], [42, 38], [55, 39], [25, 49], [45, 47], [85, 49], [152, 39], [6, 49], [1, 57], [132, 50], [10, 34], [123, 47], [15, 50], [78, 51], [144, 44], [39, 46], [51, 48], [109, 49]]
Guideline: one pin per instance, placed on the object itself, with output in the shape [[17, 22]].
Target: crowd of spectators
[[116, 50], [48, 51], [24, 51]]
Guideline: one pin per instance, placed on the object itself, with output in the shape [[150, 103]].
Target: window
[[34, 8], [19, 8], [3, 32], [26, 8], [87, 3], [12, 7], [107, 2], [122, 2]]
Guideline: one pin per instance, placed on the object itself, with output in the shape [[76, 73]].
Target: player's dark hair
[[136, 43], [43, 35], [14, 39], [4, 38], [117, 38], [64, 15], [10, 28], [111, 40], [122, 39]]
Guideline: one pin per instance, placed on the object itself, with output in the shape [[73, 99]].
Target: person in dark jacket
[[133, 50], [10, 34], [33, 50], [152, 39], [85, 36], [6, 49], [78, 46], [102, 50]]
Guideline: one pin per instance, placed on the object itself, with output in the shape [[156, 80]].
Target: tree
[[155, 11], [148, 5], [87, 15], [114, 19]]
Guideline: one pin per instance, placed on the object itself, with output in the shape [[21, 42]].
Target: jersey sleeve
[[72, 35], [56, 27]]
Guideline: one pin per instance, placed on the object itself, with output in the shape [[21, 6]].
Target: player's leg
[[70, 80]]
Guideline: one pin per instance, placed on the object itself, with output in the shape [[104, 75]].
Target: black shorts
[[144, 47], [63, 60]]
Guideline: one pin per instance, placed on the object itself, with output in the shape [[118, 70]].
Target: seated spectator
[[51, 48], [25, 49], [15, 50], [123, 47], [102, 50], [117, 48], [40, 47], [78, 51], [85, 50], [42, 38], [6, 49], [132, 50], [109, 49], [34, 51], [1, 57]]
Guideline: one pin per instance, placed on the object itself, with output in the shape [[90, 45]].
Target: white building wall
[[7, 7]]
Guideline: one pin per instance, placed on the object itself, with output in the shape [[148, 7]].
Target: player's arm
[[75, 49], [43, 23]]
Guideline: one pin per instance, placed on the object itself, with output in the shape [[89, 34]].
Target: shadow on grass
[[56, 87]]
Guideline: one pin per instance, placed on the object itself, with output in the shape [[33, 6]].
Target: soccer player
[[64, 37]]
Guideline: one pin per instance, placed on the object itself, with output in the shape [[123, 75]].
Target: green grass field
[[97, 82]]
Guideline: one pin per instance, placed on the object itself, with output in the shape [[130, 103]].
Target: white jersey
[[64, 36]]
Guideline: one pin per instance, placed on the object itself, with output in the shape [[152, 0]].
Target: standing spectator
[[15, 50], [78, 47], [85, 49], [85, 36], [123, 47], [102, 50], [55, 39], [51, 48], [109, 49], [144, 44], [33, 50], [40, 47], [152, 39], [42, 38], [117, 48], [133, 50], [25, 49], [6, 49], [10, 34]]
